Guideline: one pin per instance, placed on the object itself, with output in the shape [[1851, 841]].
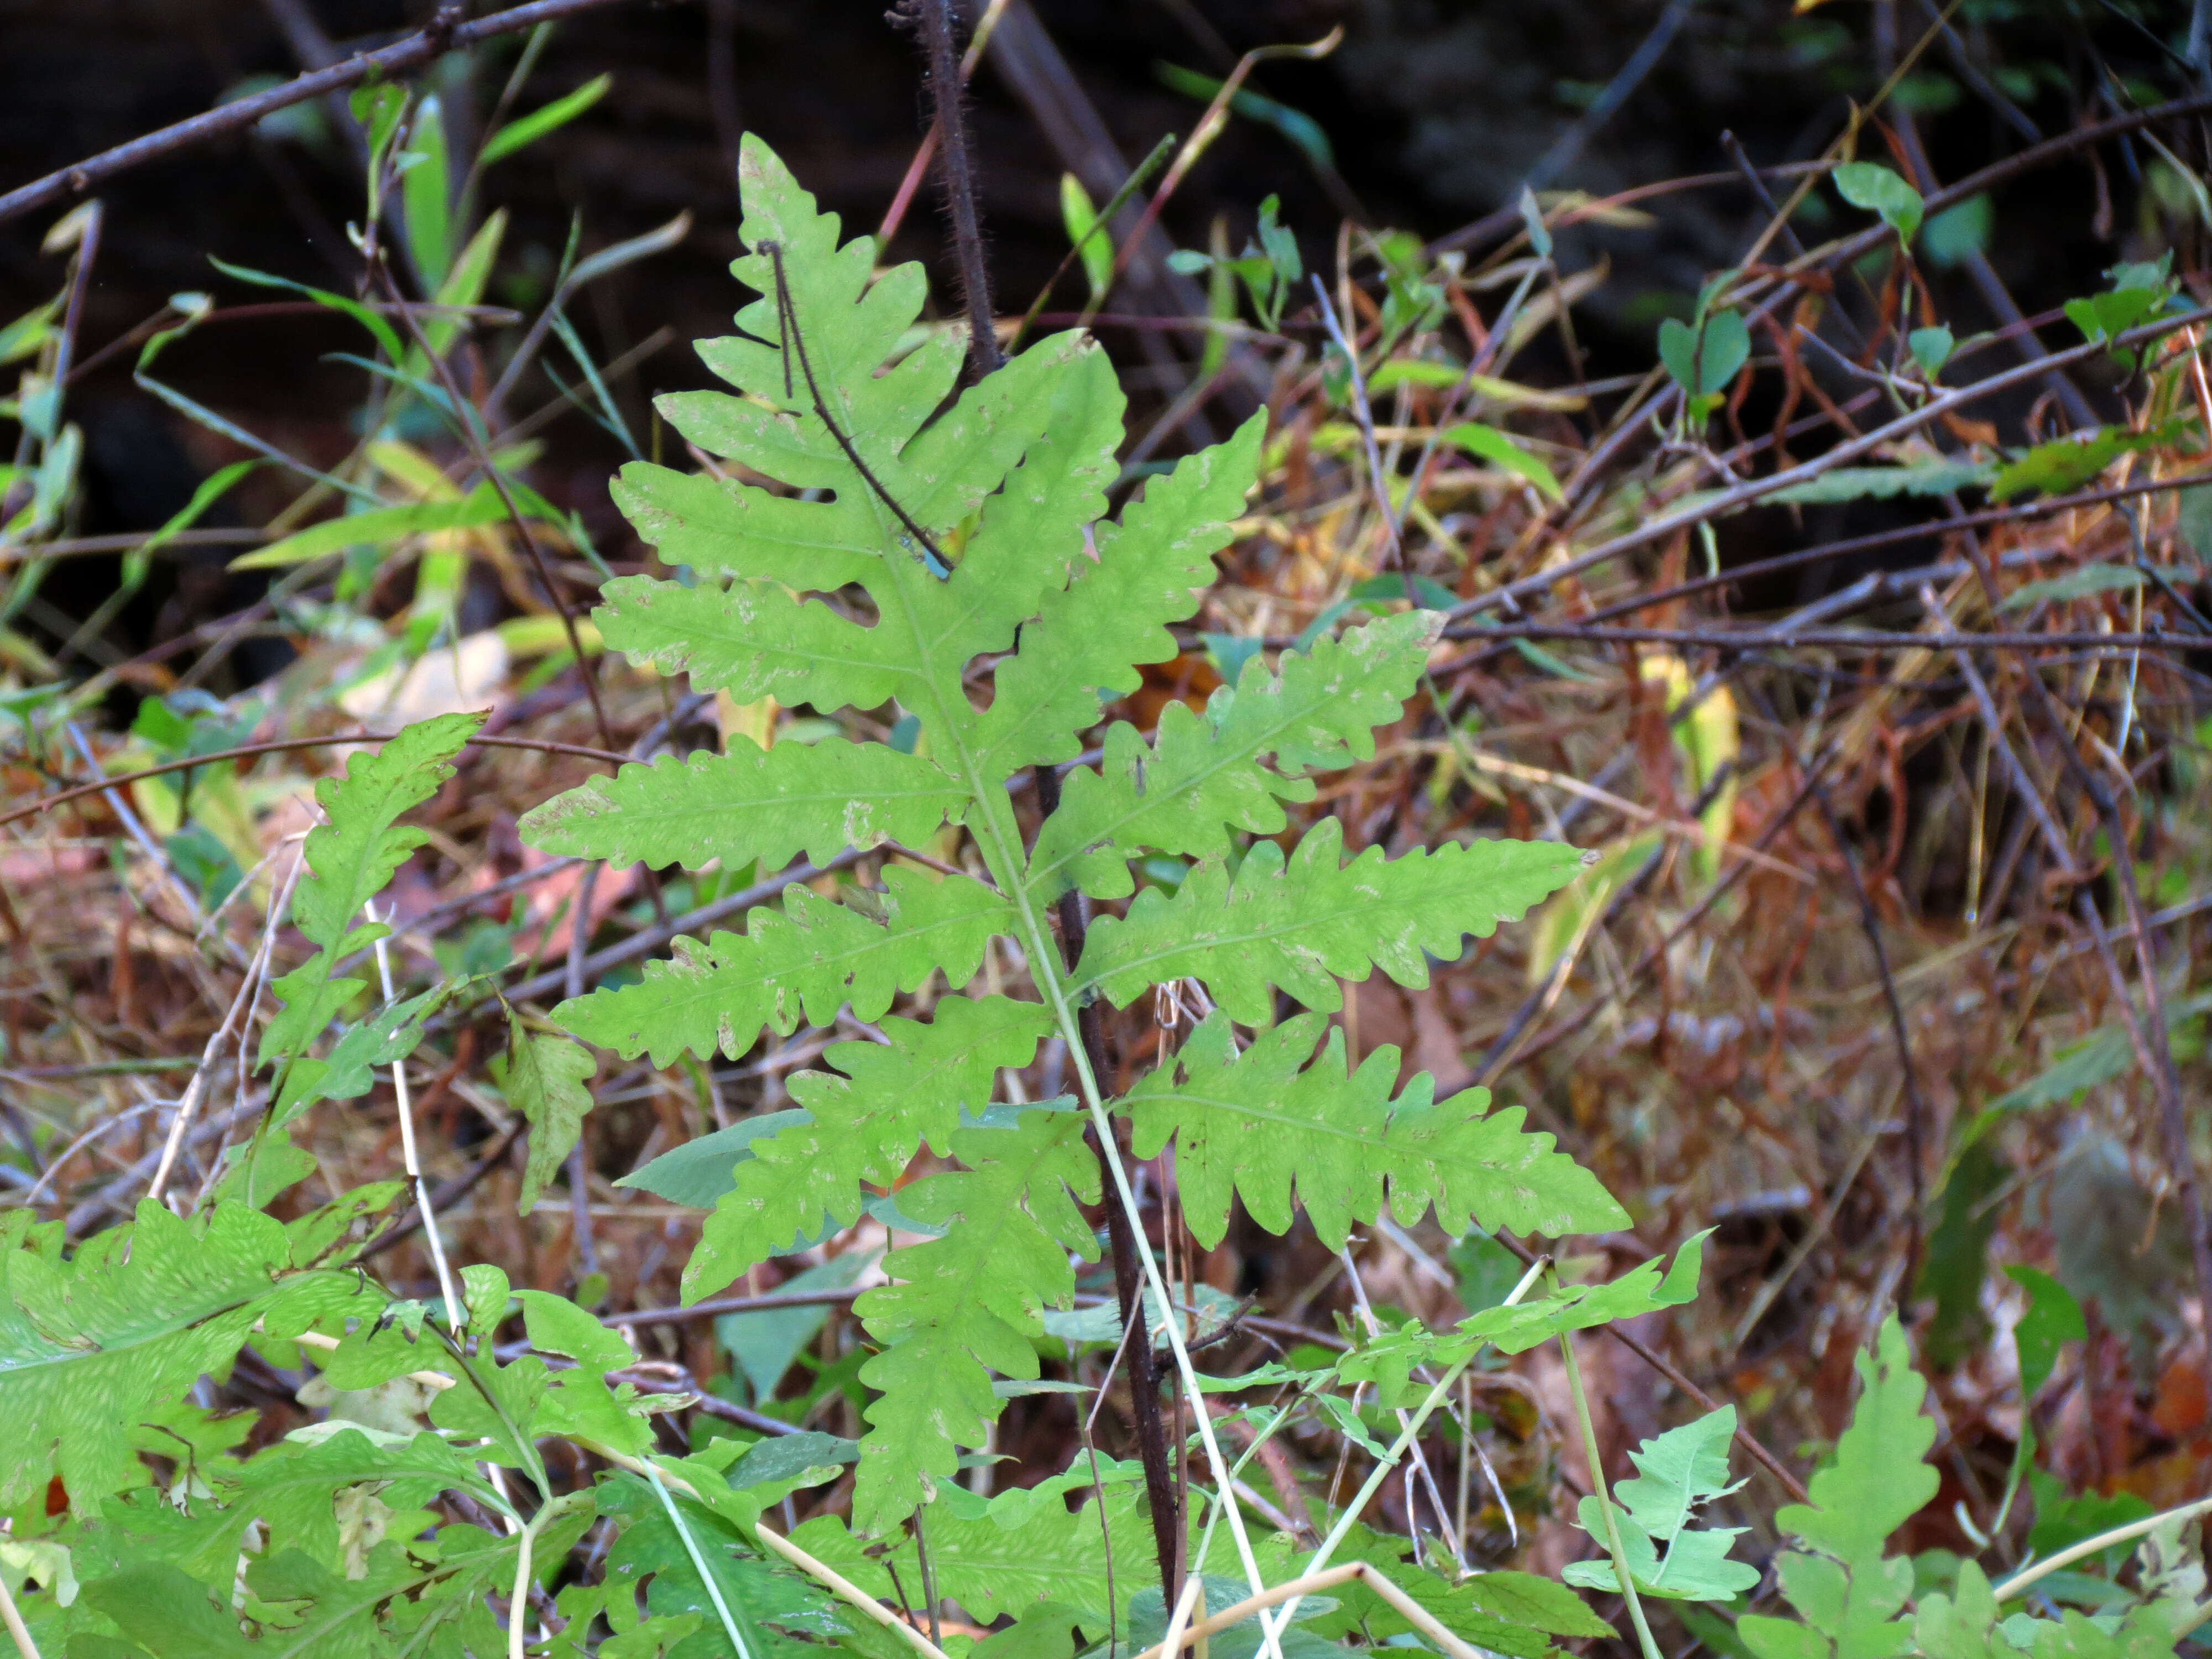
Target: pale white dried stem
[[410, 1161], [18, 1632], [1313, 1583], [849, 1591], [1388, 1462], [233, 1023], [1420, 1460], [1193, 1585]]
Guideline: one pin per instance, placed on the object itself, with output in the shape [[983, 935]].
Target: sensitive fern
[[933, 542]]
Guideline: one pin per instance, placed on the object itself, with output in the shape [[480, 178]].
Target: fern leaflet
[[1264, 1121], [814, 957], [1302, 925], [1201, 777]]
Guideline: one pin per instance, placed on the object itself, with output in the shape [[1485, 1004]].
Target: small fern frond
[[349, 858], [90, 1345], [1303, 926], [1151, 568], [815, 956], [1844, 1586], [1259, 1124], [548, 1081], [750, 803], [1013, 1555], [864, 1129], [1202, 776], [970, 1302]]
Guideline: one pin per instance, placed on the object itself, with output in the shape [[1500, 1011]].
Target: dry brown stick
[[1915, 1104], [447, 31], [1841, 639], [1662, 525], [1768, 831], [480, 451], [2147, 1032], [63, 797]]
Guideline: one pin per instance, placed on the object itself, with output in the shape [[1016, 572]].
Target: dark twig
[[1915, 1104], [934, 18], [2146, 1030], [795, 342], [63, 797], [1123, 1245], [480, 450], [1662, 525], [441, 36]]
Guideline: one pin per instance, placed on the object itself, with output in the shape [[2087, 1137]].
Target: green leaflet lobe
[[971, 1301], [1202, 776], [749, 804], [863, 1127], [810, 960], [1150, 568], [1264, 1122]]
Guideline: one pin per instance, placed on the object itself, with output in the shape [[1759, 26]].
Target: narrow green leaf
[[1492, 445], [377, 528], [425, 191], [549, 1082], [1093, 245], [698, 1172], [528, 129]]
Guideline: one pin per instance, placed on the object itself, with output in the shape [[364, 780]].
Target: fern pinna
[[942, 543]]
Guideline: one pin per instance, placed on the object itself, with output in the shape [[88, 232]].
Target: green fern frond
[[815, 956], [865, 1128], [1303, 926], [1202, 776], [970, 1302], [1846, 1589], [1678, 1473], [1259, 1124], [89, 1345], [750, 803]]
